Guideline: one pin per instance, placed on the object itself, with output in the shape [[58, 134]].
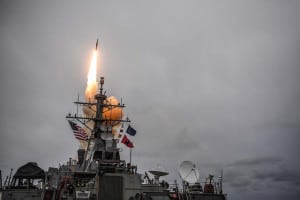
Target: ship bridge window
[[97, 155], [108, 155]]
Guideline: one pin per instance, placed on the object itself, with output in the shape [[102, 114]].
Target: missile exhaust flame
[[92, 86]]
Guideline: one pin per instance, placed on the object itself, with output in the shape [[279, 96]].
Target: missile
[[97, 44]]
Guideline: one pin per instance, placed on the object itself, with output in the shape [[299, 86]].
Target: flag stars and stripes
[[79, 132]]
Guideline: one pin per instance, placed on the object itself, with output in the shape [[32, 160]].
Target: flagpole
[[130, 156]]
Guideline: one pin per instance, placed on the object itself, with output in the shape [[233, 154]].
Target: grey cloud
[[258, 173], [208, 81], [256, 161], [281, 174]]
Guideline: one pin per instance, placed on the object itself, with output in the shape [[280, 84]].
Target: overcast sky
[[214, 82]]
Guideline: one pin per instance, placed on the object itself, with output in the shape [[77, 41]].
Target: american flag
[[79, 132]]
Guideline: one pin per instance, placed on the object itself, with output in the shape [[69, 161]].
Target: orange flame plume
[[92, 87]]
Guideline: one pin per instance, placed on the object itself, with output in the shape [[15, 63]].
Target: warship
[[99, 172]]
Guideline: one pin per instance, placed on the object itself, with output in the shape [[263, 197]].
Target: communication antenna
[[158, 172], [189, 172], [11, 170], [157, 175]]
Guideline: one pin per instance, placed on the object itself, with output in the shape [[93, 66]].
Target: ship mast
[[100, 97], [98, 148]]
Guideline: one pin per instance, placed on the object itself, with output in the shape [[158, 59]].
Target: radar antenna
[[189, 172]]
